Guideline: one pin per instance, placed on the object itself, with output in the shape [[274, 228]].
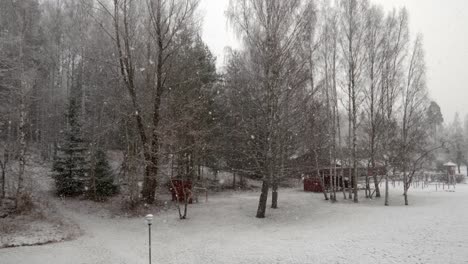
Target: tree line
[[341, 82]]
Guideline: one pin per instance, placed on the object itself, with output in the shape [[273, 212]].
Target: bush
[[25, 204], [459, 178]]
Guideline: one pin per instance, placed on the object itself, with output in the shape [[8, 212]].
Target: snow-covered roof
[[449, 164]]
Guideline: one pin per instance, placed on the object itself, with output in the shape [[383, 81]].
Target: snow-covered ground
[[46, 223], [305, 229]]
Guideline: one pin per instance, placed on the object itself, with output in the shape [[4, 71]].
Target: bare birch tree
[[394, 53], [374, 65], [414, 105], [272, 32], [352, 44]]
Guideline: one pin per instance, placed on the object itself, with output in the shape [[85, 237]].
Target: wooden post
[[234, 180]]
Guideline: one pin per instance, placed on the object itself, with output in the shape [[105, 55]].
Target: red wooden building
[[312, 180]]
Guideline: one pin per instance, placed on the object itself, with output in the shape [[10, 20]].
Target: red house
[[312, 180]]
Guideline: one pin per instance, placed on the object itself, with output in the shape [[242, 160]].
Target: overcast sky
[[443, 23]]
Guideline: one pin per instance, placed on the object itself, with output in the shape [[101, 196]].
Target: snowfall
[[304, 229]]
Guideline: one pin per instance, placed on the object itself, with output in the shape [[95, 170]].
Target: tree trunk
[[6, 159], [405, 185], [3, 166], [350, 171], [263, 199], [406, 196], [320, 176], [341, 151], [322, 183], [199, 170], [275, 182], [343, 185], [22, 113], [92, 175], [351, 180], [332, 182], [355, 168], [355, 186], [367, 189], [386, 189], [374, 175], [22, 154], [186, 201], [274, 194], [234, 180], [376, 184], [373, 130], [149, 182]]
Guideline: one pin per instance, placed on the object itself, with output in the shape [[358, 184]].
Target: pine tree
[[70, 164], [103, 185]]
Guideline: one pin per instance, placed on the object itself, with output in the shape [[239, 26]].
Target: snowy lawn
[[45, 222], [305, 229]]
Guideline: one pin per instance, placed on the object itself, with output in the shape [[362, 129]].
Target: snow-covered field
[[305, 229]]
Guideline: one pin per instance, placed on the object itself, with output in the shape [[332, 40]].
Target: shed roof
[[449, 164]]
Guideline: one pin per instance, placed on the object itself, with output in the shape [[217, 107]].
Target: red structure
[[312, 185], [312, 181], [181, 189]]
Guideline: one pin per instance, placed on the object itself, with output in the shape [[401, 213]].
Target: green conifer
[[104, 180], [71, 165]]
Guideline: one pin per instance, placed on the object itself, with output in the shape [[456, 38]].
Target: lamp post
[[149, 221]]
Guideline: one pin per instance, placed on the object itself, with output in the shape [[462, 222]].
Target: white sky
[[443, 23]]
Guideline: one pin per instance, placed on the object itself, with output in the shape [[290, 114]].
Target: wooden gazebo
[[450, 170]]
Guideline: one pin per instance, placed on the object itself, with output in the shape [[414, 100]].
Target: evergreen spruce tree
[[102, 184], [70, 164]]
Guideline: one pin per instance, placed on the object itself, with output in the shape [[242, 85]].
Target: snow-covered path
[[306, 229]]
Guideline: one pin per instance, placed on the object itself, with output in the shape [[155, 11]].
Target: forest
[[316, 84]]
